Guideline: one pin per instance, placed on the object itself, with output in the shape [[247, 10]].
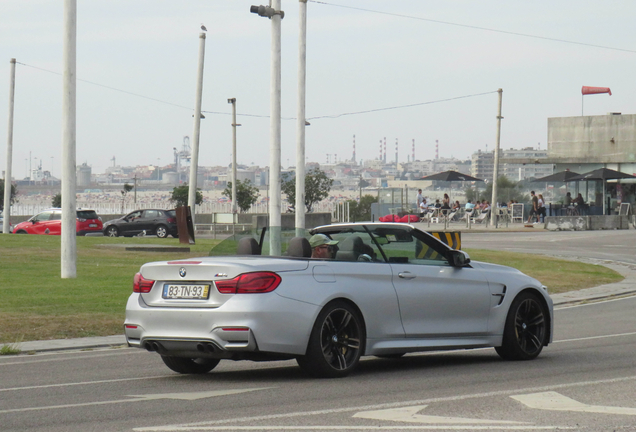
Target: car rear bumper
[[244, 323]]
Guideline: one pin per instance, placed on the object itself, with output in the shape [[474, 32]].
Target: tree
[[361, 211], [246, 194], [127, 188], [506, 190], [13, 192], [317, 187], [180, 196], [56, 201]]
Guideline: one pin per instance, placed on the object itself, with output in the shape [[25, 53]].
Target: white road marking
[[379, 406], [410, 415], [554, 401], [87, 383], [180, 396], [23, 362], [363, 428], [596, 337]]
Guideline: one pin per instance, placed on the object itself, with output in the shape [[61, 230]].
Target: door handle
[[406, 275]]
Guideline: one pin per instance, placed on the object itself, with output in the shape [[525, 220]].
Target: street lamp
[[274, 13]]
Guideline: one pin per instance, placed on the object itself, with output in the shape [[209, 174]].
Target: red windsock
[[595, 90]]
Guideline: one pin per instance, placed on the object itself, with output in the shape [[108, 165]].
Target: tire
[[336, 342], [112, 231], [184, 365], [526, 329], [161, 231], [21, 232]]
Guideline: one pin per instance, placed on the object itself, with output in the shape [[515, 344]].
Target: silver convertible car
[[385, 289]]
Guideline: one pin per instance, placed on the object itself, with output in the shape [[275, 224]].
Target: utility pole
[[69, 87], [495, 173], [135, 192], [300, 138], [275, 15], [194, 161], [7, 173], [234, 125]]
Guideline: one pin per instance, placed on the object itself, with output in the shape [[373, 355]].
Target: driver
[[321, 246]]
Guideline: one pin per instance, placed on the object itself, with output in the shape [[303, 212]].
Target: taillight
[[142, 285], [172, 220], [249, 283]]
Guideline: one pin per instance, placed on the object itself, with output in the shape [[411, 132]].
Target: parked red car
[[50, 222]]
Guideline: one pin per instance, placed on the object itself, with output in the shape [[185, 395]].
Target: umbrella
[[563, 176], [603, 174], [450, 176]]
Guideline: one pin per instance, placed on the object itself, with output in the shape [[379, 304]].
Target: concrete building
[[515, 164]]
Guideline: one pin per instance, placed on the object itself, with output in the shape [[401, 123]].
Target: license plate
[[92, 225], [196, 292]]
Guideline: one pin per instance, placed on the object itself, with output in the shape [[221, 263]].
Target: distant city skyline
[[402, 70]]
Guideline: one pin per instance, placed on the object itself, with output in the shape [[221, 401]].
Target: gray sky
[[357, 60]]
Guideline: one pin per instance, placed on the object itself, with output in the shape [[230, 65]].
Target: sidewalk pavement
[[627, 287]]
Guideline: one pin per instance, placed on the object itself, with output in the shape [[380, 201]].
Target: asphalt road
[[584, 381]]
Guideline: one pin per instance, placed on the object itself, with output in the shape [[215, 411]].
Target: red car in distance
[[49, 222]]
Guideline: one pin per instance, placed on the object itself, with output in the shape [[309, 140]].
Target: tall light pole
[[300, 140], [69, 84], [7, 173], [234, 125], [274, 13], [495, 172], [194, 161]]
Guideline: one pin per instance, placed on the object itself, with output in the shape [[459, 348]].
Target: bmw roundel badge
[[182, 272]]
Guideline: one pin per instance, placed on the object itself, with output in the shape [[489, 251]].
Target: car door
[[40, 223], [150, 219], [436, 299], [132, 223]]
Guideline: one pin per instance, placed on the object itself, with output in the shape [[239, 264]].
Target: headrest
[[299, 247], [248, 246]]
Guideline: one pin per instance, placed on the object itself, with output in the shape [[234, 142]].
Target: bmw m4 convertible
[[342, 292]]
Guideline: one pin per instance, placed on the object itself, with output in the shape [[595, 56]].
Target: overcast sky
[[140, 58]]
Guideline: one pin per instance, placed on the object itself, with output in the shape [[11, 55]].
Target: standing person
[[541, 207], [534, 211], [418, 199], [446, 202]]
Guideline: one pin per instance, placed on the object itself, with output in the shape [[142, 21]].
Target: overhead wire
[[334, 116], [473, 27]]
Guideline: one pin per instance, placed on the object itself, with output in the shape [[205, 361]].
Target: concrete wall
[[586, 223], [597, 139], [288, 220]]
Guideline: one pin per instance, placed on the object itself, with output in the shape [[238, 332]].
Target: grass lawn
[[36, 304]]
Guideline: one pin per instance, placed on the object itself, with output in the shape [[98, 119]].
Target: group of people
[[538, 207], [425, 208]]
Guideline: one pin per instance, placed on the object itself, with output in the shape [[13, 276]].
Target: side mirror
[[458, 258]]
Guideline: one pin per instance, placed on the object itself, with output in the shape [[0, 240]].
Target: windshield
[[391, 243]]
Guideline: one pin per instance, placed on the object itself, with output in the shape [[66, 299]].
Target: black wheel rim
[[340, 339], [530, 326]]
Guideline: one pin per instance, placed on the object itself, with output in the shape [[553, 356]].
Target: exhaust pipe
[[156, 347], [149, 347], [211, 348], [201, 348]]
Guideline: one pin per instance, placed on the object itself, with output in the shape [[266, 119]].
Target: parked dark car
[[162, 223]]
